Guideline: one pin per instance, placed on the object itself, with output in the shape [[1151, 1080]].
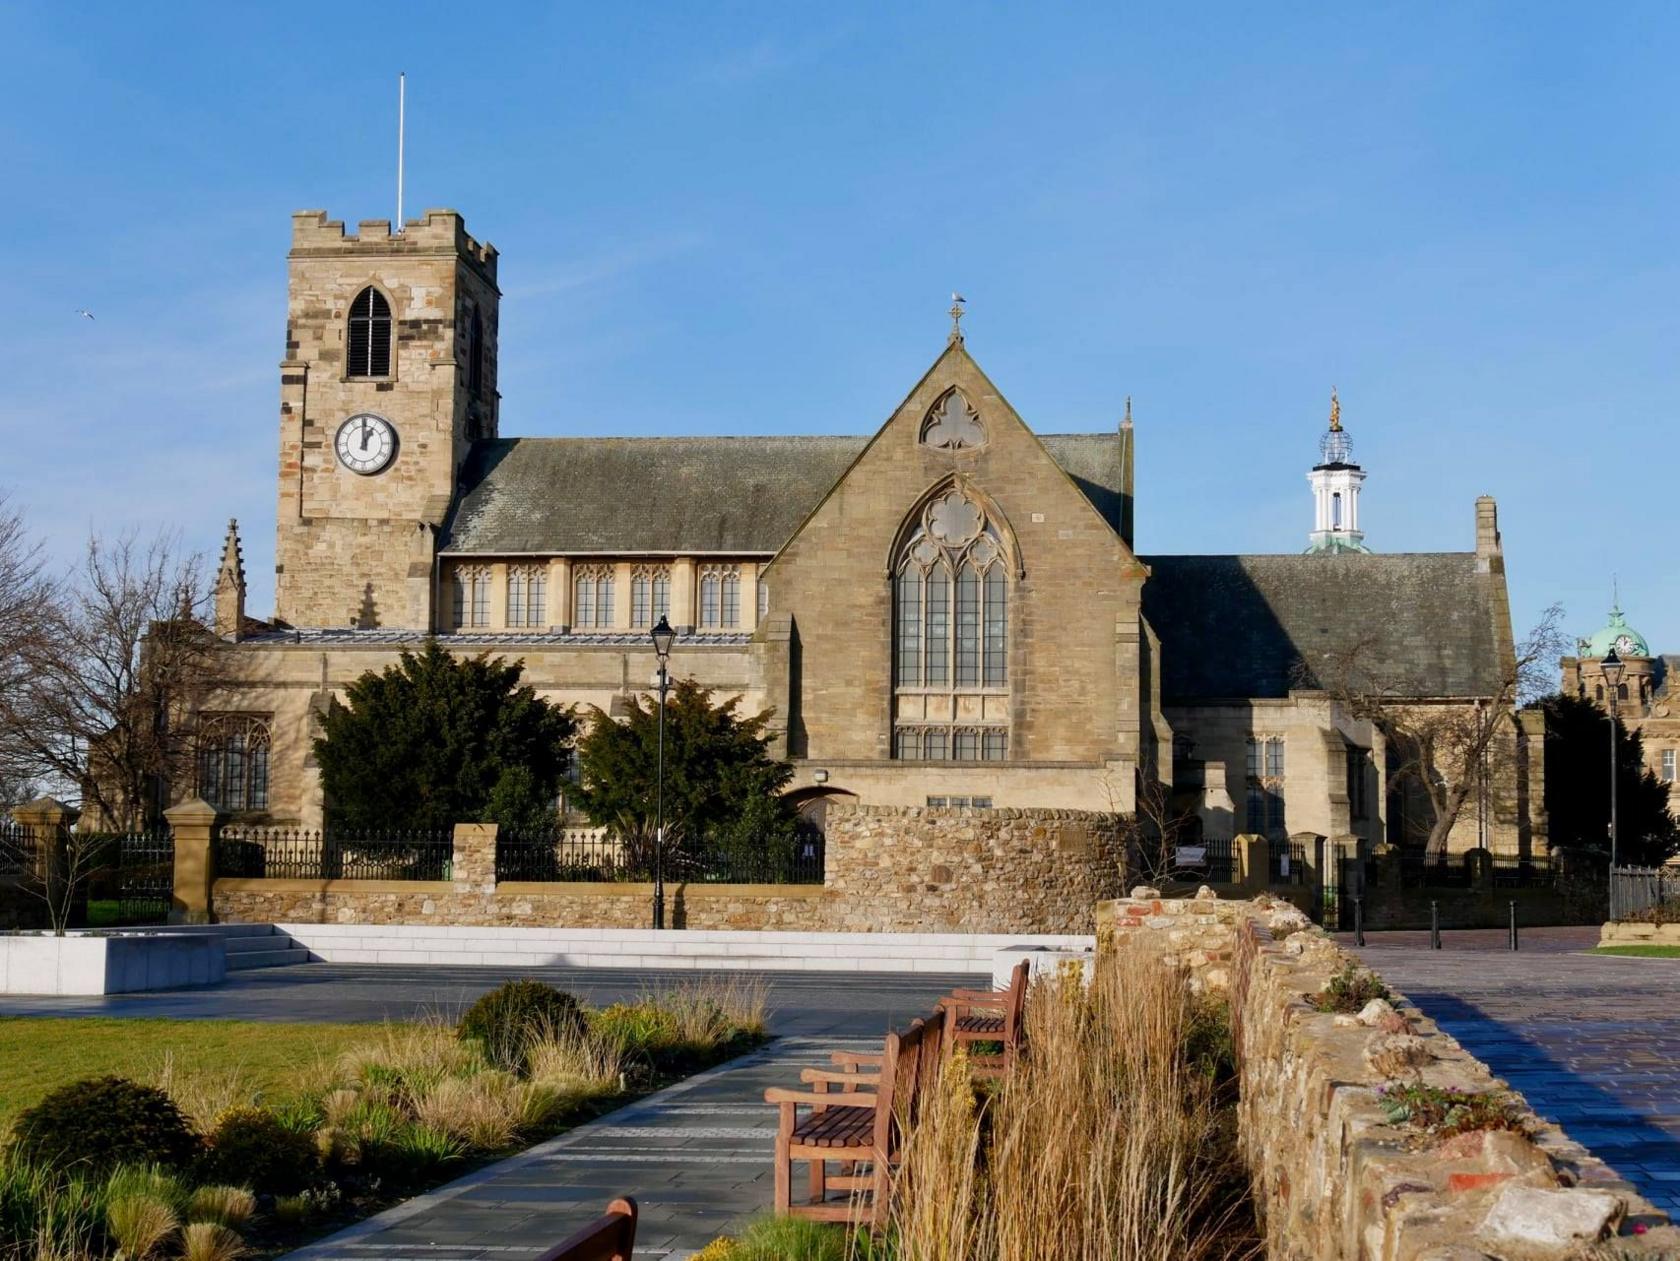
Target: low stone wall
[[888, 870], [1334, 1177], [509, 905], [1635, 934]]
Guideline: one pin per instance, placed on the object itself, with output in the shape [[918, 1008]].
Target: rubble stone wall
[[1336, 1175]]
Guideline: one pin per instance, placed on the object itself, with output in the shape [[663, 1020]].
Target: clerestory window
[[472, 596], [527, 596], [367, 349], [592, 599]]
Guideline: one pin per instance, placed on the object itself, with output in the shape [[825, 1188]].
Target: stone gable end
[[1074, 571]]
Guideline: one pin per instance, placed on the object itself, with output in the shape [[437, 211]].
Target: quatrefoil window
[[952, 425]]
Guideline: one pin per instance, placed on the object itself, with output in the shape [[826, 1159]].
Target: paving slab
[[1592, 1041]]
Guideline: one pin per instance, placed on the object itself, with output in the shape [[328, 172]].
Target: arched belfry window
[[951, 634], [233, 762], [367, 350]]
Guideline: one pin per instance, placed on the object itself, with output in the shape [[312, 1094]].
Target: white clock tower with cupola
[[1335, 482]]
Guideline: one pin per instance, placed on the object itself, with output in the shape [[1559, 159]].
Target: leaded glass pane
[[968, 627], [995, 745], [583, 602], [908, 668], [937, 618], [640, 604], [967, 744], [536, 608], [480, 598], [604, 600], [516, 598], [731, 600], [997, 649], [1274, 758], [1254, 759], [661, 597], [709, 600], [935, 744]]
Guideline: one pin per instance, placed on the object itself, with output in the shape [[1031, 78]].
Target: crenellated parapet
[[435, 232]]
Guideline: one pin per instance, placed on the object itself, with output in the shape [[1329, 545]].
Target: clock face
[[366, 443], [1625, 646]]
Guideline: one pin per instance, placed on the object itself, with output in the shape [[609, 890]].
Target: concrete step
[[284, 957]]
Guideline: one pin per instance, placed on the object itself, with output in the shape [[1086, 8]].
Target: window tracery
[[650, 595], [952, 425], [720, 597], [471, 585], [232, 758], [592, 598], [951, 635], [527, 596]]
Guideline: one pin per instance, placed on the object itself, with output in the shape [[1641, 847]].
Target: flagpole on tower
[[402, 85]]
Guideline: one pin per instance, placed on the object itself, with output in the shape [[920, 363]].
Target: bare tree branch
[[100, 692], [1447, 745]]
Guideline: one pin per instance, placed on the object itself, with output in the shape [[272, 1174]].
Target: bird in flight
[[86, 312]]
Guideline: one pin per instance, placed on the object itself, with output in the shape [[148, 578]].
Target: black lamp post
[[662, 635], [1612, 667]]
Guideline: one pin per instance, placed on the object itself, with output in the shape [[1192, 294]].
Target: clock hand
[[364, 435]]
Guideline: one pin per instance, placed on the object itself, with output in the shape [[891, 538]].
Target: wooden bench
[[989, 1016], [610, 1237], [858, 1125]]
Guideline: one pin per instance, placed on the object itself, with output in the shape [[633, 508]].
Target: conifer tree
[[438, 739]]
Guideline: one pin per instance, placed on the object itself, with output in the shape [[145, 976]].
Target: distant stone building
[[946, 611], [1647, 700]]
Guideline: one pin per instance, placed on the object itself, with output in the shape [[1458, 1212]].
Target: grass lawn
[[38, 1053], [1643, 952]]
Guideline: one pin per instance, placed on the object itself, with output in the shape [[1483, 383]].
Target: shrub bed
[[108, 1168]]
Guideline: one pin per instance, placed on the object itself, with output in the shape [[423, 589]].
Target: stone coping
[[288, 884], [644, 890]]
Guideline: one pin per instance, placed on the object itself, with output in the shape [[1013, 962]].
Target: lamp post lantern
[[1612, 670], [662, 636]]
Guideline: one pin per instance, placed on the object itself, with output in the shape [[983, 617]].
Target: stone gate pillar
[[194, 825]]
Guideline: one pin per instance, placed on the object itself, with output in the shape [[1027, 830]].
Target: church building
[[944, 610]]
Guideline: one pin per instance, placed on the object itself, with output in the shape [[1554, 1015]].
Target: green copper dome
[[1618, 635]]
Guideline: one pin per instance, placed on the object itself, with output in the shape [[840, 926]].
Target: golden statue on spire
[[1335, 412]]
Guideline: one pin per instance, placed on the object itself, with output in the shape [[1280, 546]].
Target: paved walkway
[[696, 1157], [1592, 1041]]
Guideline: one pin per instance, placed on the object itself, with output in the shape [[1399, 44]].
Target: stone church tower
[[389, 377]]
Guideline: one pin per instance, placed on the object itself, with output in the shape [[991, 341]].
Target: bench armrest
[[775, 1094], [851, 1059], [843, 1079]]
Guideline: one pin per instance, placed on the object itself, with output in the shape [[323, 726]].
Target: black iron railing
[[19, 849], [1208, 860], [567, 854], [1286, 862], [335, 854]]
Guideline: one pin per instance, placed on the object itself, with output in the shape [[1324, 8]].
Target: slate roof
[[1235, 626], [691, 495]]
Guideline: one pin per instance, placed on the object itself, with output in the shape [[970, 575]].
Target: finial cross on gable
[[956, 313]]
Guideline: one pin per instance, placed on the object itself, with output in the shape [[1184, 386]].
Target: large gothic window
[[720, 597], [367, 351], [951, 636], [233, 762]]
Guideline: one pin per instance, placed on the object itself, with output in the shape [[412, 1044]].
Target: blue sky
[[748, 218]]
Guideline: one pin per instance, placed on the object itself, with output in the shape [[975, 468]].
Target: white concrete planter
[[1043, 961], [87, 963]]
